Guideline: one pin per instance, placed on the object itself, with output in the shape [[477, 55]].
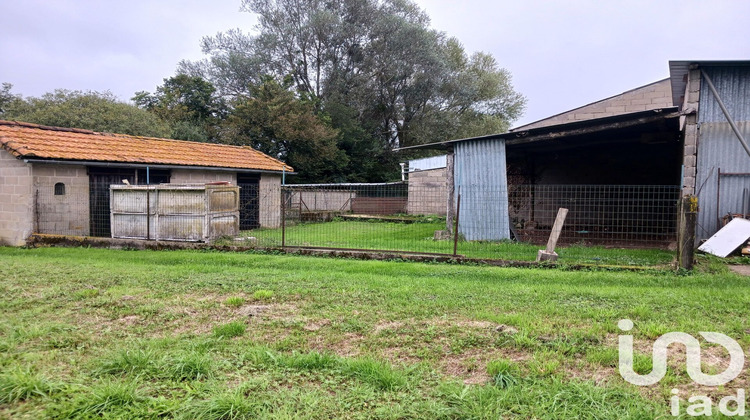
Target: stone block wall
[[67, 212], [16, 200], [690, 131], [428, 192], [652, 96], [191, 176]]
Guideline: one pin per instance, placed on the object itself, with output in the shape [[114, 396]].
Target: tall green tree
[[188, 103], [377, 61], [97, 111], [273, 120], [7, 98]]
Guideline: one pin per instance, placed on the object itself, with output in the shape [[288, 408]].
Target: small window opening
[[59, 188]]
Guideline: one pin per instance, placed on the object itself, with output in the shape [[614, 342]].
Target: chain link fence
[[475, 222]]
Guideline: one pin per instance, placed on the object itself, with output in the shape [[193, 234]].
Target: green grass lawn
[[419, 237], [92, 333]]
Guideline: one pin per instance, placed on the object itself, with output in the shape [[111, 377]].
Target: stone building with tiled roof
[[57, 180]]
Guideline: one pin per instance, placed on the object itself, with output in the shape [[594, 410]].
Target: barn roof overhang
[[678, 72], [581, 133]]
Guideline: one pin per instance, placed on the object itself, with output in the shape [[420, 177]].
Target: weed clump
[[230, 330]]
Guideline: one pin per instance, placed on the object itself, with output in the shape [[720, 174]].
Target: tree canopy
[[188, 103], [97, 111], [271, 119], [329, 86], [373, 70]]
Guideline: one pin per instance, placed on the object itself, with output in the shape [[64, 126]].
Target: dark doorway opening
[[99, 181], [249, 201]]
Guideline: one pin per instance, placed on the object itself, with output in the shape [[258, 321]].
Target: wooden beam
[[549, 254], [523, 136]]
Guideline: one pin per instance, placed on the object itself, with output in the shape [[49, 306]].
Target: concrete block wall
[[191, 176], [653, 96], [428, 192], [690, 150], [66, 214], [269, 196], [16, 200]]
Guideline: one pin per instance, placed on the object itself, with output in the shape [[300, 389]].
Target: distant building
[[428, 186]]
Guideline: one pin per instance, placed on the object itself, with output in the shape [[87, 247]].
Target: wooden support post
[[688, 211], [549, 254]]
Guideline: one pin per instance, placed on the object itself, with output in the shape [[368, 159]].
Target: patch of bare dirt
[[743, 270], [506, 329], [129, 320], [714, 359], [250, 311], [385, 326], [315, 326], [471, 365], [346, 346], [273, 311], [461, 323]]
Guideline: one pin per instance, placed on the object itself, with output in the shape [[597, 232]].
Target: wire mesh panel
[[371, 217], [398, 216], [412, 218], [598, 214]]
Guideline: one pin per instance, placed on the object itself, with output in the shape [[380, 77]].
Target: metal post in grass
[[451, 189], [283, 218], [455, 228], [148, 212]]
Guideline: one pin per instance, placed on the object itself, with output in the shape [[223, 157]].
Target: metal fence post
[[148, 212], [455, 229], [449, 168], [283, 218]]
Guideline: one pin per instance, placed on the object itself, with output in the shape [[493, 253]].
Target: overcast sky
[[562, 54]]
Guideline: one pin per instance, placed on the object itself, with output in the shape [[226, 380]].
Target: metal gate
[[249, 201]]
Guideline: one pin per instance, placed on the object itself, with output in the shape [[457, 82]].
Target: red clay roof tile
[[26, 140]]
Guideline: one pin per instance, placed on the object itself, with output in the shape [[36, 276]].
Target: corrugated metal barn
[[620, 164], [713, 150]]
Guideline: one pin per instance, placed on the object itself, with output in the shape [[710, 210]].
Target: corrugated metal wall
[[427, 163], [719, 148], [480, 178], [733, 85]]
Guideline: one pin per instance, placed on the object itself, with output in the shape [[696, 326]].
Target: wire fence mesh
[[635, 215], [475, 222]]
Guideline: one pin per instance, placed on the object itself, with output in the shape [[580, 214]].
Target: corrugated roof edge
[[678, 69], [17, 151], [671, 111]]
